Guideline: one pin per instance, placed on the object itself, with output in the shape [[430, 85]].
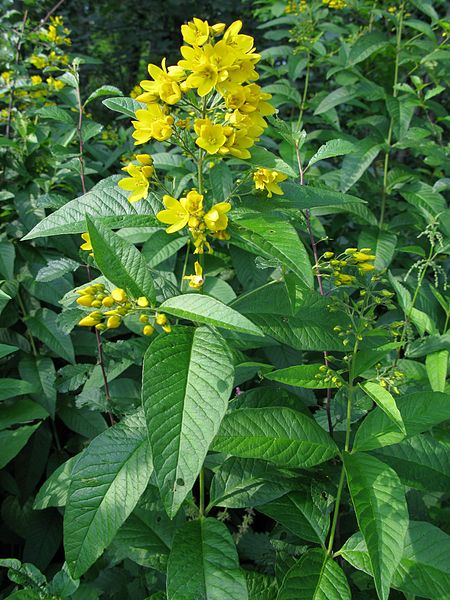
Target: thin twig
[[16, 62], [48, 15]]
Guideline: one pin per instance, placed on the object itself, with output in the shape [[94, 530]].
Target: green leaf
[[306, 376], [187, 380], [55, 269], [303, 197], [330, 149], [120, 261], [103, 493], [260, 586], [380, 506], [421, 462], [279, 435], [103, 90], [315, 576], [205, 309], [6, 349], [162, 246], [43, 325], [55, 490], [12, 442], [382, 243], [212, 569], [356, 164], [437, 365], [7, 258], [335, 98], [273, 237], [424, 568], [22, 411], [125, 106], [420, 411], [305, 513], [106, 202], [41, 372], [366, 45], [385, 401], [265, 159], [428, 345], [57, 114], [10, 388]]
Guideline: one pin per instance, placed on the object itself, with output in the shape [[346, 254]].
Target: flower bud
[[148, 330], [85, 300], [142, 302], [114, 322], [119, 295]]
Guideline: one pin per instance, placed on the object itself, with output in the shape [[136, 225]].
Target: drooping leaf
[[10, 388], [187, 380], [210, 311], [40, 372], [13, 440], [212, 570], [120, 261], [380, 506], [21, 411], [106, 202], [316, 576], [437, 366], [356, 164], [103, 493], [385, 401], [308, 196], [279, 435], [366, 45]]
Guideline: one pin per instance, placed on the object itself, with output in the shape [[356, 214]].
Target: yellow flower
[[164, 85], [362, 256], [119, 295], [216, 218], [36, 79], [179, 212], [113, 322], [38, 61], [160, 319], [142, 302], [148, 330], [6, 76], [136, 91], [268, 179], [54, 84], [144, 159], [138, 182], [210, 66], [343, 279], [365, 267], [196, 32], [210, 137], [152, 123], [196, 281]]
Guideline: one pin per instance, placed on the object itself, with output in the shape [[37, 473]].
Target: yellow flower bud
[[96, 304], [88, 321], [328, 255], [148, 330], [351, 250], [160, 319], [85, 300], [101, 327], [167, 328], [113, 322], [143, 302], [108, 301], [119, 295], [143, 318]]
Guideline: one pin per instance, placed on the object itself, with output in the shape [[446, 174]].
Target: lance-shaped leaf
[[330, 149], [424, 568], [420, 411], [303, 197], [306, 376], [107, 202], [315, 576], [272, 237], [120, 261], [187, 380], [279, 435], [204, 563], [380, 506], [106, 484], [205, 309], [385, 401]]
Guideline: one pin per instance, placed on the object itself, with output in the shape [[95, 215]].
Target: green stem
[[201, 481], [305, 90], [391, 124]]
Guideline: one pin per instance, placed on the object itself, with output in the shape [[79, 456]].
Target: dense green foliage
[[268, 421]]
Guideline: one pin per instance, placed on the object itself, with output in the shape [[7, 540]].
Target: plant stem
[[305, 90], [391, 124], [24, 314], [201, 483], [13, 86]]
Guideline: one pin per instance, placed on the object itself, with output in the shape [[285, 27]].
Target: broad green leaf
[[57, 114], [273, 237], [40, 372], [43, 325], [204, 563], [279, 435], [424, 568], [7, 258], [260, 586], [120, 261], [335, 98], [162, 246], [106, 202], [307, 196], [103, 90], [6, 349], [437, 365], [306, 376], [125, 106], [21, 411], [55, 490], [385, 401], [380, 506], [267, 160], [187, 380], [10, 388], [205, 309], [428, 345], [366, 45], [420, 411], [316, 576], [421, 462], [302, 512], [84, 421], [356, 164], [103, 493], [55, 269], [13, 440], [330, 149], [244, 482]]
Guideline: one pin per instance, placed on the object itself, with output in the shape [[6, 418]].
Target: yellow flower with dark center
[[178, 212], [216, 218], [268, 179], [211, 137], [138, 182], [196, 281]]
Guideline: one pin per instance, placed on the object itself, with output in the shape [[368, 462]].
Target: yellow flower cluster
[[337, 4], [225, 66], [268, 179], [189, 212], [56, 33], [6, 76], [361, 260], [117, 305], [138, 181]]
